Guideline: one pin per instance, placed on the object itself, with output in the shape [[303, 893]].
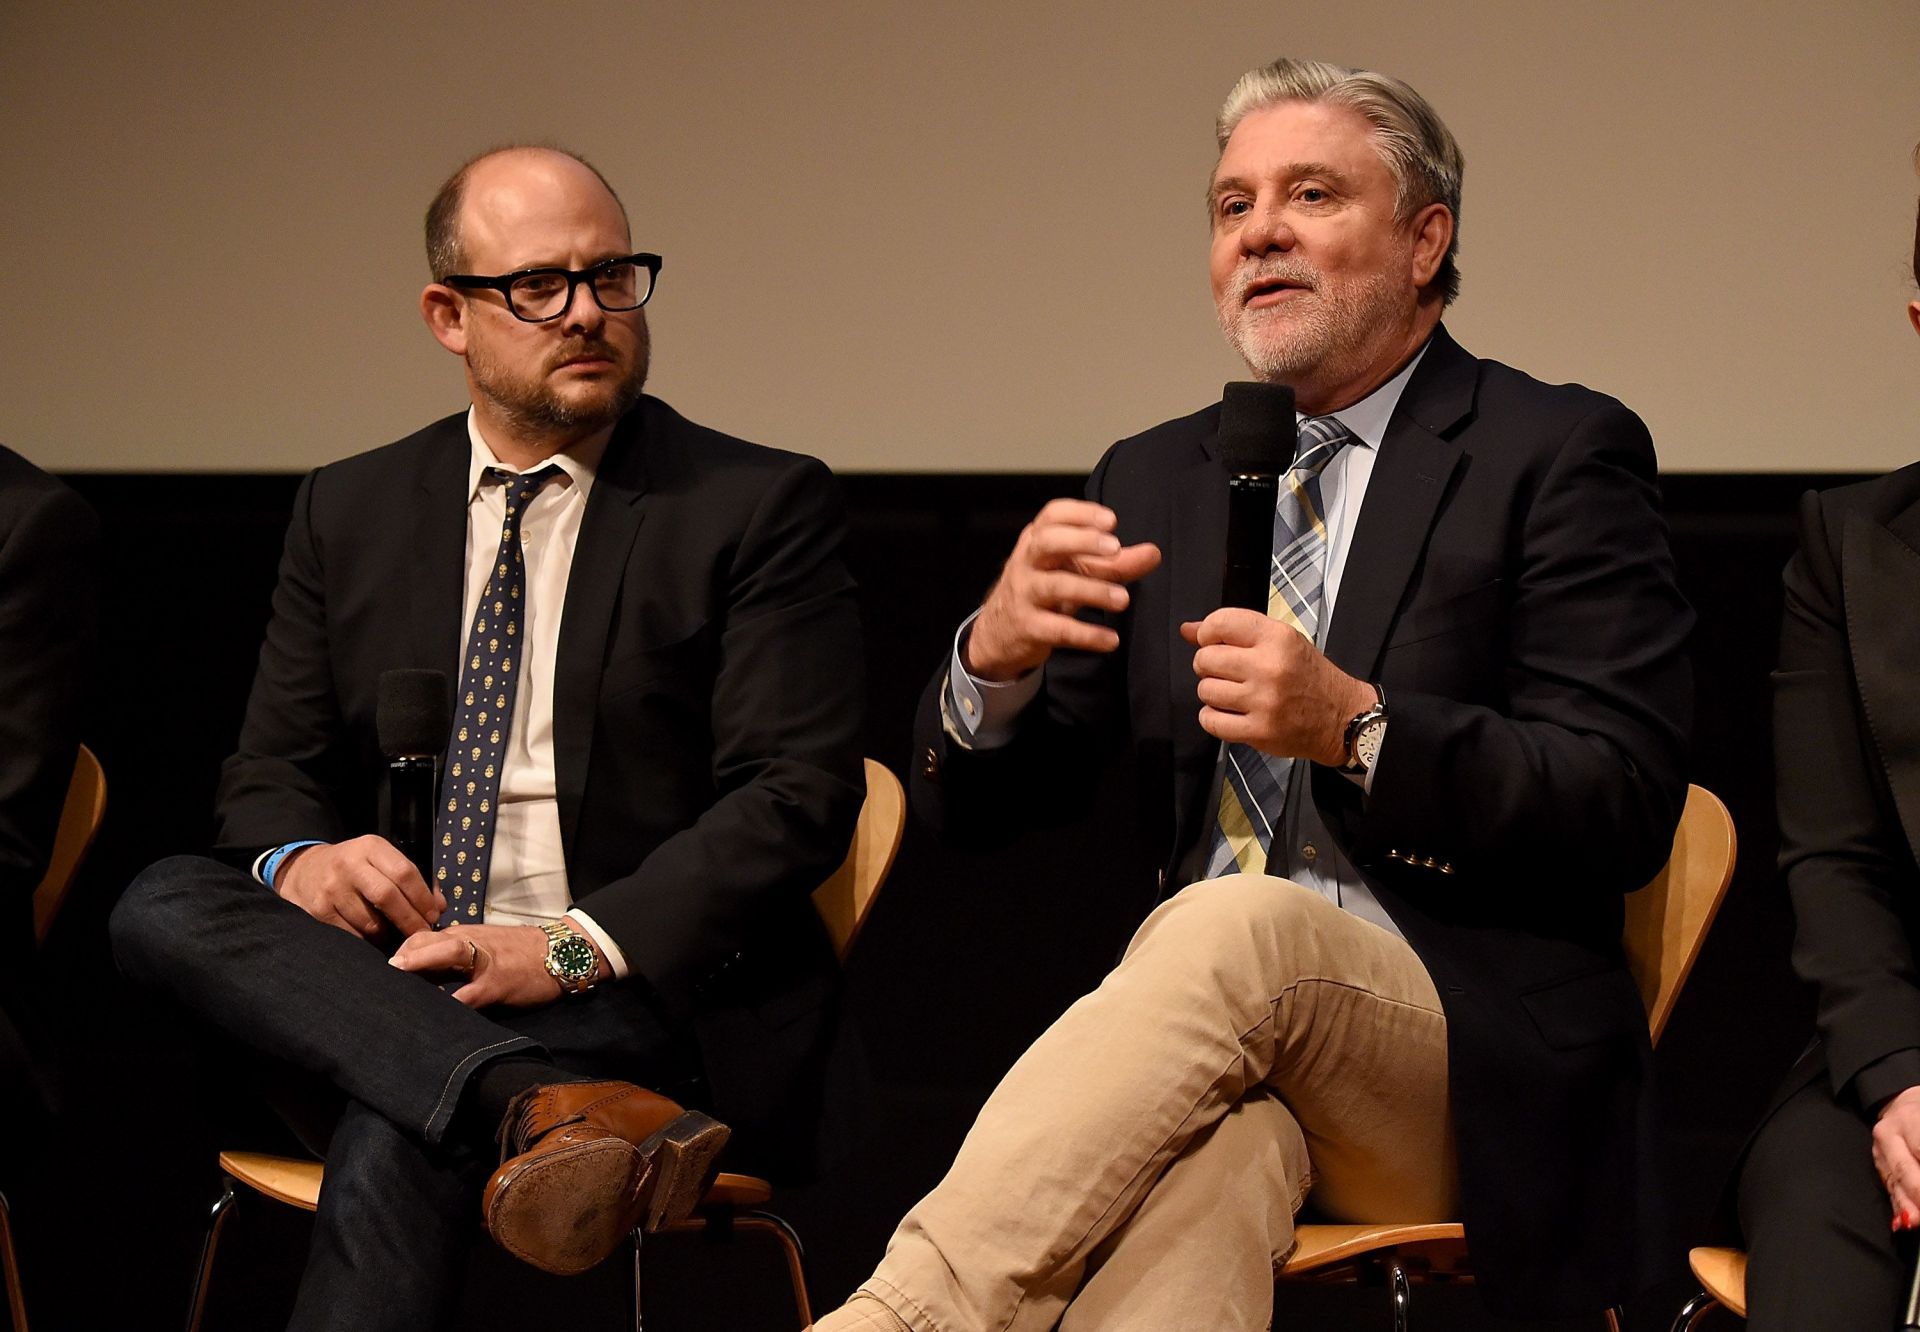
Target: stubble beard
[[1329, 337], [531, 406]]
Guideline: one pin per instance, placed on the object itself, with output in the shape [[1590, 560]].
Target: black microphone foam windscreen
[[1258, 432], [413, 713]]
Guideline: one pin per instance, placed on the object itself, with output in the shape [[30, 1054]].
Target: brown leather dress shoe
[[584, 1163]]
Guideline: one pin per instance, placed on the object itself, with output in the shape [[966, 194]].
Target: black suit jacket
[[49, 589], [1846, 716], [1509, 583], [707, 718]]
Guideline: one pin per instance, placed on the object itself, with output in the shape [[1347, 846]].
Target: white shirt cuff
[[982, 714], [615, 958]]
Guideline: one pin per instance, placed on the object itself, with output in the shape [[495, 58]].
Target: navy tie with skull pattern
[[489, 672]]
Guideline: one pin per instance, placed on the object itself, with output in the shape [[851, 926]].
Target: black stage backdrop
[[964, 960]]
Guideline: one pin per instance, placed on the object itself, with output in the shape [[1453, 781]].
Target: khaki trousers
[[1141, 1164]]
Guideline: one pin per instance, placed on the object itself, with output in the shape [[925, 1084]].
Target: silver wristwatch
[[1364, 734]]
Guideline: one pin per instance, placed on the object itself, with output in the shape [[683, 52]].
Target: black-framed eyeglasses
[[536, 295]]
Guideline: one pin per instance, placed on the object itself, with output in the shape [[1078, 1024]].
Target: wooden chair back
[[1667, 920], [1666, 923], [80, 816], [845, 898]]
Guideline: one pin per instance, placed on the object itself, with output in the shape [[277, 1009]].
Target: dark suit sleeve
[[282, 783], [1845, 861], [1574, 766], [49, 574], [787, 707], [984, 798]]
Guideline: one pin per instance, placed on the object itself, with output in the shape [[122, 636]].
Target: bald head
[[495, 184], [549, 382]]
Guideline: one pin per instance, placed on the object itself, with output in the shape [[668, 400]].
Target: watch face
[[573, 958], [1366, 745]]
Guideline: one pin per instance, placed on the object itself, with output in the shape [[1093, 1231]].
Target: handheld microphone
[[1913, 1299], [413, 717], [1258, 436]]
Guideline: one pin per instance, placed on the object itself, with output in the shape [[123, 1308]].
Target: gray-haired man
[[1405, 804]]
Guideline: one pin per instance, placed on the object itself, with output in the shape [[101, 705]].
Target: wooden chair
[[1665, 924], [734, 1202], [1722, 1274], [80, 816]]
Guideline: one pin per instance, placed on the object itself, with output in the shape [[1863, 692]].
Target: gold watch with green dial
[[571, 960]]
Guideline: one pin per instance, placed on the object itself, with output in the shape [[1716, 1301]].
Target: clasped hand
[[366, 886]]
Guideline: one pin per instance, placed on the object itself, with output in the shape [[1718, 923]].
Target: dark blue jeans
[[404, 1172]]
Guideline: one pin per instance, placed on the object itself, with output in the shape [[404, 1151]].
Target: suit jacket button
[[930, 768]]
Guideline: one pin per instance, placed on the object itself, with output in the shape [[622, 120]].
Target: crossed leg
[[1244, 1004]]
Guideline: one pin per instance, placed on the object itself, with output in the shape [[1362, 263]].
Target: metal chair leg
[[637, 1237], [216, 1218], [1691, 1313], [789, 1242], [10, 1263], [1402, 1295]]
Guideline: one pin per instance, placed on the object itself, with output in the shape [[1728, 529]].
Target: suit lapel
[[1879, 574], [437, 572], [1410, 475], [607, 532], [1197, 540]]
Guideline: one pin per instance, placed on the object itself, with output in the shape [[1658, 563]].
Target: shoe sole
[[569, 1209]]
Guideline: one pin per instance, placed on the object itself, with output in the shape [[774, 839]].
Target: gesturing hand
[[1896, 1156], [360, 886], [1067, 558], [1263, 684], [503, 964]]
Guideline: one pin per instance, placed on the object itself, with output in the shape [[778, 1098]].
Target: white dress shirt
[[982, 714]]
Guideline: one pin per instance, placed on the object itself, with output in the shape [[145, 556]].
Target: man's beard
[[531, 405], [1331, 332]]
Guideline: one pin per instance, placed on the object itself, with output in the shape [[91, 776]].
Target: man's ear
[[1913, 315], [1432, 230], [445, 311]]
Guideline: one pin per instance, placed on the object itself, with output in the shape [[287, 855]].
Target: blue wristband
[[277, 857]]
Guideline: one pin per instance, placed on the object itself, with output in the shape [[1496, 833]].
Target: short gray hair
[[1416, 145]]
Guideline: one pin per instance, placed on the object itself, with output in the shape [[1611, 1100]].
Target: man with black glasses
[[631, 811]]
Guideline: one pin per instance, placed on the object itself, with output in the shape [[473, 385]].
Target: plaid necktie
[[1253, 790], [470, 778]]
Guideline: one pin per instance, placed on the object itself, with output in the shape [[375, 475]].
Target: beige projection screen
[[940, 236]]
